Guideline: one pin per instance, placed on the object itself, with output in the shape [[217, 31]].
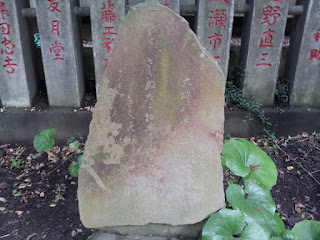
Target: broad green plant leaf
[[74, 146], [256, 202], [229, 224], [74, 167], [285, 235], [254, 231], [307, 230], [44, 141], [243, 159]]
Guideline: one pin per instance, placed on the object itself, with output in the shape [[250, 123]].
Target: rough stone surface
[[17, 76], [304, 58], [214, 29], [172, 4], [153, 152], [61, 52], [261, 49]]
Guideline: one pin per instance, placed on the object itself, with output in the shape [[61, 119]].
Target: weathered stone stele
[[152, 158]]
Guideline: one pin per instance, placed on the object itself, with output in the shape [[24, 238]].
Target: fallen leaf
[[73, 233], [21, 176], [2, 200], [22, 185], [53, 204], [19, 212], [42, 194], [31, 235], [290, 168]]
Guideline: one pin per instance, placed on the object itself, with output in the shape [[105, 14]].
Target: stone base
[[102, 235], [161, 230]]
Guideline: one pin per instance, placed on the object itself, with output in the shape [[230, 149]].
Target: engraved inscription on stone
[[153, 152]]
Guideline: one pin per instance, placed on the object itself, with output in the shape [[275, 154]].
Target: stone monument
[[152, 159]]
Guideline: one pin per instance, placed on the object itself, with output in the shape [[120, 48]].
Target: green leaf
[[285, 235], [254, 231], [44, 141], [229, 224], [288, 235], [74, 146], [256, 202], [307, 230], [244, 158], [74, 167], [223, 225]]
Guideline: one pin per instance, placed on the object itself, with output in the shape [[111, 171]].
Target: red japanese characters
[[269, 19], [53, 6], [7, 45], [109, 16], [315, 53], [166, 4], [56, 47], [217, 20]]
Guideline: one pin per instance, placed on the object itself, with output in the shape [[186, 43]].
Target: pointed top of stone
[[153, 151]]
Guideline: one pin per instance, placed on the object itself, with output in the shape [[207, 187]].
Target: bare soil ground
[[38, 200]]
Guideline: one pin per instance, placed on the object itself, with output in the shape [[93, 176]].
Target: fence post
[[214, 29], [17, 76], [61, 52], [84, 3], [105, 19], [261, 48], [304, 57], [172, 4]]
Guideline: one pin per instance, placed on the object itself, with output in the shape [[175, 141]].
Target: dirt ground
[[38, 200]]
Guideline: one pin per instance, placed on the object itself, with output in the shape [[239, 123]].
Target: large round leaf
[[254, 231], [44, 141], [307, 230], [244, 158], [256, 202], [223, 225], [285, 235], [229, 224]]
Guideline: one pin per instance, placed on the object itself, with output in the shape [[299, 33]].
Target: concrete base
[[20, 126], [101, 235], [162, 230]]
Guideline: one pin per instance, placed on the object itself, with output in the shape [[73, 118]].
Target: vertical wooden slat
[[61, 52], [17, 77], [214, 29], [261, 48], [304, 57]]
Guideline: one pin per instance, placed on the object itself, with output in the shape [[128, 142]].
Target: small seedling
[[16, 192], [75, 166], [74, 146], [15, 163]]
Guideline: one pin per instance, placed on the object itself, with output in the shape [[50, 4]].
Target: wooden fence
[[58, 23]]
